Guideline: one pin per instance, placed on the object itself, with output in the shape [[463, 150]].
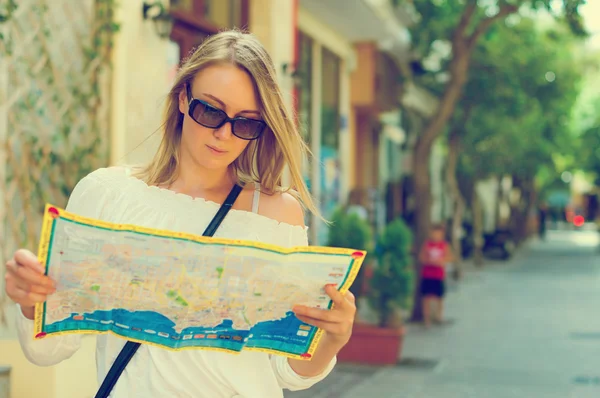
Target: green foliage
[[589, 152], [393, 277], [7, 8], [441, 18], [521, 92], [348, 230], [586, 153], [447, 35]]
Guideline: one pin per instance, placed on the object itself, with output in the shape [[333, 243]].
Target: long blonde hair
[[264, 159]]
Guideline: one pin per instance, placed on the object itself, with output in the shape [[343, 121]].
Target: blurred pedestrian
[[434, 256]]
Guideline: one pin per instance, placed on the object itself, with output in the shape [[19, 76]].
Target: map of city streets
[[180, 291]]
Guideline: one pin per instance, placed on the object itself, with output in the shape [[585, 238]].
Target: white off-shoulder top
[[113, 195]]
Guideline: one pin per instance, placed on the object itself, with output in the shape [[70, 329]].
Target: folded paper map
[[180, 291]]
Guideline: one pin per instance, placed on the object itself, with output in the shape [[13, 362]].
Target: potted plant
[[390, 292], [348, 230]]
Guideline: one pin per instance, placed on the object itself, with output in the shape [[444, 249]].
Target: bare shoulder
[[282, 207]]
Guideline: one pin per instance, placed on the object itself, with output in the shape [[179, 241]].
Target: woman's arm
[[89, 198], [48, 351], [337, 324], [300, 374]]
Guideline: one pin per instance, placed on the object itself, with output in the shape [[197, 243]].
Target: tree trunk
[[421, 160], [462, 48], [497, 211], [458, 202], [524, 208], [477, 228], [422, 218]]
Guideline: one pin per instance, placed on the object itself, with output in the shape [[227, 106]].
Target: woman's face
[[228, 88]]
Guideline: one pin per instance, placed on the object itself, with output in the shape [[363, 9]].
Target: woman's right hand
[[26, 283]]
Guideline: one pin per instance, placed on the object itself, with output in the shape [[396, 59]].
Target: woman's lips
[[216, 151]]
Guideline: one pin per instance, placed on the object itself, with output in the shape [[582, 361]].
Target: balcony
[[377, 21]]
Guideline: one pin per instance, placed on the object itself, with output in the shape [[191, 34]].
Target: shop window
[[224, 13], [305, 86], [330, 128], [330, 109], [194, 20], [304, 95], [182, 5]]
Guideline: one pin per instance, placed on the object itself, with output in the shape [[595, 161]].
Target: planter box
[[373, 345]]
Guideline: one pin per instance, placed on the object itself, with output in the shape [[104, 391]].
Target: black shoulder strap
[[225, 207], [131, 347]]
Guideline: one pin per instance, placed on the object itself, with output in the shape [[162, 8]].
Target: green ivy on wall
[[58, 62], [7, 9]]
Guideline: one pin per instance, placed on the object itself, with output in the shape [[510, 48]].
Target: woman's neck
[[197, 181]]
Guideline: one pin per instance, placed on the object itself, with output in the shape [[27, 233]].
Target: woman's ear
[[183, 101]]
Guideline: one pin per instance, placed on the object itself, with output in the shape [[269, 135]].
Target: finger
[[24, 298], [13, 283], [350, 297], [27, 259], [335, 295], [327, 326], [318, 313], [11, 266], [32, 277], [40, 289]]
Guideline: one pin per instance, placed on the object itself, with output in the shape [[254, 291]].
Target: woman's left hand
[[336, 322]]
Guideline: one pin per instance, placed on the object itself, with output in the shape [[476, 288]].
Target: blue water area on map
[[283, 335]]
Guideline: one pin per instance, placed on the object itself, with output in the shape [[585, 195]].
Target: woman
[[225, 123]]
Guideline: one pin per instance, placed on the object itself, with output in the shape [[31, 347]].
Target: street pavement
[[529, 327]]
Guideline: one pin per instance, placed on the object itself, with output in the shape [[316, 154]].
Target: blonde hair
[[264, 159]]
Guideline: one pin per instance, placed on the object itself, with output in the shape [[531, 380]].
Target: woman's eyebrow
[[215, 99], [225, 106]]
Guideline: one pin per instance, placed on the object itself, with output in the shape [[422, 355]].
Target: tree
[[589, 152], [586, 155], [461, 24], [520, 103]]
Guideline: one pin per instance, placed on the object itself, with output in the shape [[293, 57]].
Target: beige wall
[[140, 84], [272, 22], [74, 378], [26, 380]]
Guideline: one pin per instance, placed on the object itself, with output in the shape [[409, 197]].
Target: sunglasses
[[212, 117]]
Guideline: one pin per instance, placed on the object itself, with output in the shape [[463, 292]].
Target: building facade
[[339, 68]]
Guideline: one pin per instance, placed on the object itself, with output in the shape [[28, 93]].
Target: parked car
[[499, 244]]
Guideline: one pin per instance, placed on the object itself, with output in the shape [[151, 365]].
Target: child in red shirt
[[434, 255]]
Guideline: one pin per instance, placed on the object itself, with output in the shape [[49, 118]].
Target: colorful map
[[178, 290]]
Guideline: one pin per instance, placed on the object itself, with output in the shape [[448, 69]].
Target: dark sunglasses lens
[[207, 115], [248, 129]]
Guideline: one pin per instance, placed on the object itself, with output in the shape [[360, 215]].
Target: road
[[525, 328]]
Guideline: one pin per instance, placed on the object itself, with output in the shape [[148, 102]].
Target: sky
[[591, 14]]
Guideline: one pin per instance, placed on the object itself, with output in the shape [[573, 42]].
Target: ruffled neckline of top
[[164, 193]]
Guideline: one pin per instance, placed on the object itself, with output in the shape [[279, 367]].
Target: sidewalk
[[524, 328]]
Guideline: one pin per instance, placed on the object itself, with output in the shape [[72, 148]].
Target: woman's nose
[[224, 132]]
